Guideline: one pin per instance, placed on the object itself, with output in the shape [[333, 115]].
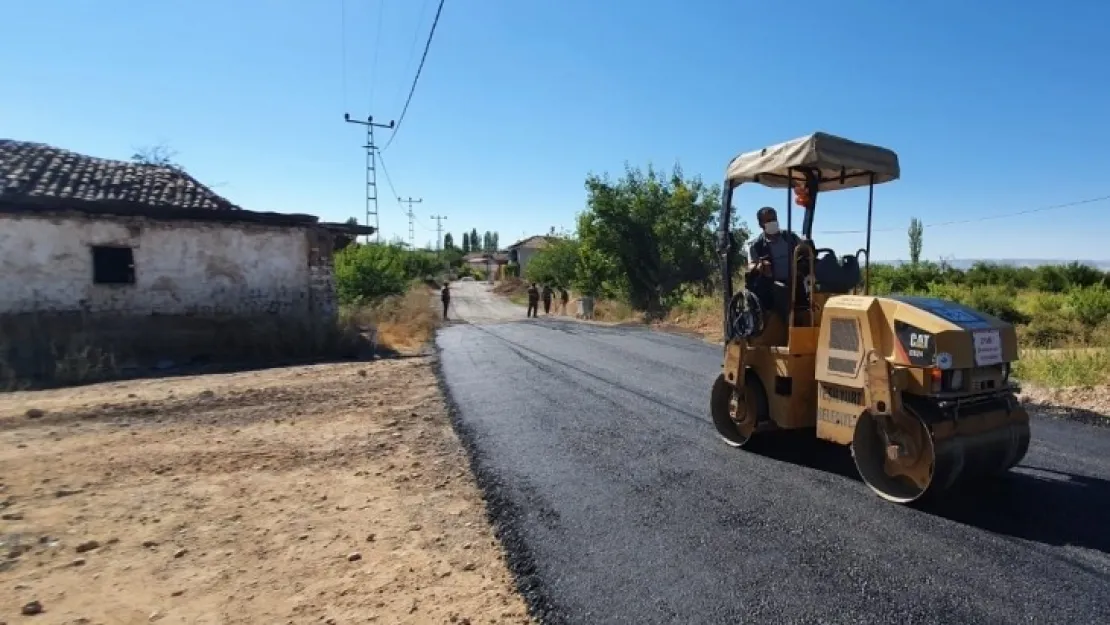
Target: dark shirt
[[780, 251], [563, 295], [533, 294], [547, 293], [445, 294]]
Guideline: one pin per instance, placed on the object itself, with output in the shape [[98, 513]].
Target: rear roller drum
[[733, 416]]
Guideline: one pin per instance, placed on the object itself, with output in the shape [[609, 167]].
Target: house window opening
[[113, 265]]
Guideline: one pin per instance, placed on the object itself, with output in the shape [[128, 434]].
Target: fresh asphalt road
[[619, 504]]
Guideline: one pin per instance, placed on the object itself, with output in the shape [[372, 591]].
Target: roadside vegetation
[[645, 250]]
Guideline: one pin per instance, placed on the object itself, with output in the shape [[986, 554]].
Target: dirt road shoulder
[[319, 494]]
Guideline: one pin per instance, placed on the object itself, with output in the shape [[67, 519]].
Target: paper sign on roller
[[988, 348]]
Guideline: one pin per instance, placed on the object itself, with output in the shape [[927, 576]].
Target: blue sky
[[992, 110]]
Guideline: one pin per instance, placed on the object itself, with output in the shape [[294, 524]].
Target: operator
[[533, 300], [770, 256]]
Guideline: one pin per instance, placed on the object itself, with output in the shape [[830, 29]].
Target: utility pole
[[412, 233], [371, 170], [439, 231]]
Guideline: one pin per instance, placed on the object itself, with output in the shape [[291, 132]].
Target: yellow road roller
[[918, 387]]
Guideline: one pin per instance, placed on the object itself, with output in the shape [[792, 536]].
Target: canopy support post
[[867, 261]]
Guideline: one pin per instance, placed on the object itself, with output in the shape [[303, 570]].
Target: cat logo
[[920, 341]]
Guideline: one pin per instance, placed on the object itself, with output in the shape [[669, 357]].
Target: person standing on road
[[564, 297], [548, 293], [445, 296], [533, 300]]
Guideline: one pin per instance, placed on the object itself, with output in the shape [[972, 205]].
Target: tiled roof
[[44, 173], [537, 241]]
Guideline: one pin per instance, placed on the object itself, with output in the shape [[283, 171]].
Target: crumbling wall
[[201, 292], [181, 268]]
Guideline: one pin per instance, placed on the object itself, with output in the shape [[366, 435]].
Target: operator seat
[[837, 276]]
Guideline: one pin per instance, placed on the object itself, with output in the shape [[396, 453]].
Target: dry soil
[[318, 494]]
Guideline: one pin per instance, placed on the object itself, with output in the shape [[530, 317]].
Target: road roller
[[919, 388]]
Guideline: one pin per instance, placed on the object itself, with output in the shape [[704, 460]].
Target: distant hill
[[966, 263]]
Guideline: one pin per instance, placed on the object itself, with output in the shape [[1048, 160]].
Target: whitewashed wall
[[180, 267]]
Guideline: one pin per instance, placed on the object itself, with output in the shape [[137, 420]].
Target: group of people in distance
[[548, 293], [534, 295]]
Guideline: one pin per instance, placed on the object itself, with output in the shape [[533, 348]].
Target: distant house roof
[[537, 241], [486, 258], [35, 177]]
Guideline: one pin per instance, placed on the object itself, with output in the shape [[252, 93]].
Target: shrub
[[1091, 305], [998, 301]]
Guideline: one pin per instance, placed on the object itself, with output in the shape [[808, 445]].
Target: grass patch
[[1064, 368], [400, 323]]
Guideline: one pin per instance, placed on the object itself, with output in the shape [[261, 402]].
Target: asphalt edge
[[501, 512]]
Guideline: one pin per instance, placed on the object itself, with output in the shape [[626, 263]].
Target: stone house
[[523, 250], [141, 261]]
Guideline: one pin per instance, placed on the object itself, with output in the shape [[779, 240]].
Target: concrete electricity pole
[[439, 231], [371, 170], [410, 202]]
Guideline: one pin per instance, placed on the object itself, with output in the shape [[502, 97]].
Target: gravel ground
[[322, 494]]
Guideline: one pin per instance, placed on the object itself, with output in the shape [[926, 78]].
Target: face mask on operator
[[771, 227]]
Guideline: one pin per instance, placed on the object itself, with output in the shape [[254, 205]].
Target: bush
[[998, 301], [370, 272], [1091, 305]]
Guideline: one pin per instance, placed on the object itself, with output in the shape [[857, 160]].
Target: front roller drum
[[903, 460], [735, 415]]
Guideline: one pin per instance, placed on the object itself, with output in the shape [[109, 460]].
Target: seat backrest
[[837, 276]]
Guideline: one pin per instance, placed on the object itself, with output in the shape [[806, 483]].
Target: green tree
[[647, 234], [916, 230], [493, 242], [555, 264], [466, 243], [487, 241], [365, 273], [448, 241], [475, 246]]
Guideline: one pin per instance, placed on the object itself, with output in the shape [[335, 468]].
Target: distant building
[[524, 250], [487, 263], [144, 261]]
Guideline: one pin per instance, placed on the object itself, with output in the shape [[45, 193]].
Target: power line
[[419, 68], [412, 46], [393, 190], [979, 219], [377, 46], [343, 47]]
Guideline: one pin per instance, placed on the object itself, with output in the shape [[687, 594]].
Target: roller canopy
[[833, 157]]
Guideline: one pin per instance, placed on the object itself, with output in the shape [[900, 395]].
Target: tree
[[647, 234], [466, 243], [555, 264], [916, 230], [448, 241], [487, 241], [159, 155], [493, 242], [474, 246]]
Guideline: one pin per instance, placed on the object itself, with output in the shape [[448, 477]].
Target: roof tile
[[37, 170]]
